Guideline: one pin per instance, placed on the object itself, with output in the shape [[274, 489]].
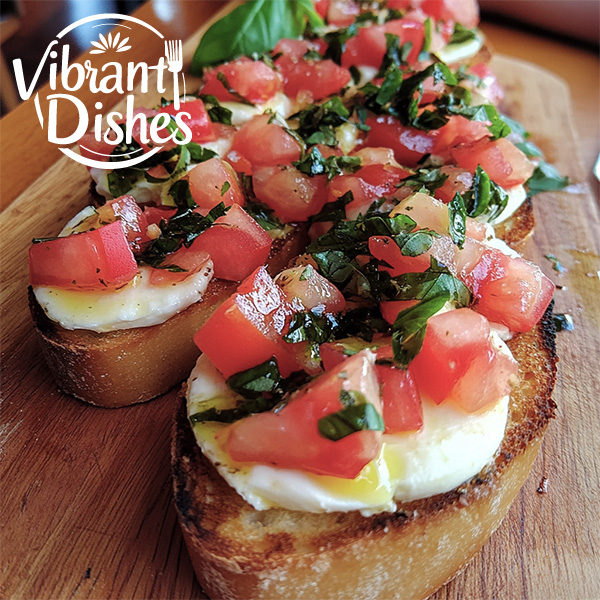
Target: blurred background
[[27, 26]]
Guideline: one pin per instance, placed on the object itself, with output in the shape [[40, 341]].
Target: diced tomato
[[488, 86], [318, 78], [401, 403], [246, 329], [290, 437], [252, 79], [368, 184], [199, 121], [185, 261], [89, 147], [131, 216], [509, 290], [293, 195], [398, 4], [458, 130], [409, 32], [212, 182], [391, 308], [342, 12], [321, 6], [465, 12], [294, 49], [236, 243], [155, 214], [410, 145], [500, 159], [369, 46], [265, 144], [458, 363], [305, 285], [458, 180], [94, 260], [384, 248]]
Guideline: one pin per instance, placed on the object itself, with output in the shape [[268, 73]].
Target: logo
[[126, 138]]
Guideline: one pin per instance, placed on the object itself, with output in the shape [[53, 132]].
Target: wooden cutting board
[[86, 502]]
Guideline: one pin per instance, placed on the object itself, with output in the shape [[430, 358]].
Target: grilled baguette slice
[[128, 366], [241, 553]]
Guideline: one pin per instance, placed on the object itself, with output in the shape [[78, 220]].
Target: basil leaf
[[254, 26], [181, 230], [314, 164], [256, 380], [230, 415], [199, 154], [312, 328], [263, 215], [120, 181], [333, 211], [361, 322], [317, 123], [529, 149], [462, 34], [336, 42], [180, 192], [545, 178], [556, 264], [426, 180], [457, 214], [216, 112], [408, 330], [349, 420], [396, 54], [435, 281]]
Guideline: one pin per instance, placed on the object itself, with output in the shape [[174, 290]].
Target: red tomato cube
[[246, 329]]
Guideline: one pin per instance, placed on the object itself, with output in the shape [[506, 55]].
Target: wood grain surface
[[86, 508]]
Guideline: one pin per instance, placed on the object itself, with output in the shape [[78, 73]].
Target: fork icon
[[174, 55]]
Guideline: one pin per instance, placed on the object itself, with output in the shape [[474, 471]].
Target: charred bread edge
[[129, 366], [210, 512]]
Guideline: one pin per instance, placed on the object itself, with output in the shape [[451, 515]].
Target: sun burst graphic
[[110, 43]]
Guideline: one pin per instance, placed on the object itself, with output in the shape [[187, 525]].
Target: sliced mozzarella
[[138, 304]]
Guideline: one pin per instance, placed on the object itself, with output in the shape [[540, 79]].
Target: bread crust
[[129, 366], [238, 552]]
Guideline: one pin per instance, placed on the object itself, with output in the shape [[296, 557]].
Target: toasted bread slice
[[128, 366], [241, 553]]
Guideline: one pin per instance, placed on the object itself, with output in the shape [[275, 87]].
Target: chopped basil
[[462, 34], [311, 327], [181, 230], [485, 196], [257, 380], [357, 415], [263, 215], [408, 330], [199, 154], [556, 264], [396, 54], [120, 181], [253, 27], [457, 214], [226, 185], [314, 164], [437, 280], [216, 112], [529, 149], [425, 180], [181, 194], [545, 178], [317, 123], [333, 211], [239, 98], [361, 322], [336, 42], [563, 322]]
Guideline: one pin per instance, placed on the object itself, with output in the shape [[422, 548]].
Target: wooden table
[[86, 494]]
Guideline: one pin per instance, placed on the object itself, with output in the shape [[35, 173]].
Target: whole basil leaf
[[253, 27]]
